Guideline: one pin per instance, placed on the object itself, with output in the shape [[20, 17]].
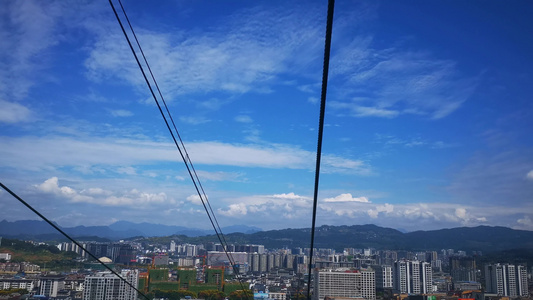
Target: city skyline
[[428, 118]]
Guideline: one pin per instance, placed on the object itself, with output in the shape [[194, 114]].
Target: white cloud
[[413, 216], [525, 223], [460, 213], [127, 170], [121, 113], [489, 177], [291, 196], [397, 82], [96, 192], [246, 53], [219, 176], [530, 175], [238, 209], [464, 217], [313, 100], [288, 205], [347, 198], [27, 31], [102, 197], [51, 186], [243, 119], [387, 208], [420, 210], [12, 112], [194, 120], [364, 111], [194, 199]]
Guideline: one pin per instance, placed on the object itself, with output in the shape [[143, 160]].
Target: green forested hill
[[484, 238]]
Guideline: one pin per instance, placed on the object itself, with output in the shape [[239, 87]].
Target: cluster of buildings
[[506, 280], [280, 274]]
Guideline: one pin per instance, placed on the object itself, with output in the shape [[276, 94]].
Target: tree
[[241, 295], [173, 295], [211, 295]]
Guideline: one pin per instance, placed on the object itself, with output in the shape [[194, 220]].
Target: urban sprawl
[[187, 271]]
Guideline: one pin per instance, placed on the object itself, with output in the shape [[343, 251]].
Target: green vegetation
[[241, 295], [171, 295], [14, 291], [232, 287], [158, 275], [211, 295], [186, 277], [17, 245], [46, 256], [202, 287], [484, 238], [515, 256]]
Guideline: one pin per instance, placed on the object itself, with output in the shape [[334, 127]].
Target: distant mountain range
[[41, 230], [483, 238]]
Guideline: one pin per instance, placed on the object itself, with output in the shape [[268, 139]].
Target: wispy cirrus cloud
[[248, 52], [194, 120], [243, 119], [19, 66], [121, 113], [391, 82], [411, 142], [220, 176], [14, 112], [56, 151], [490, 177], [529, 175]]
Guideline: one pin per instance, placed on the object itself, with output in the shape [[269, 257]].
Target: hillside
[[46, 256], [484, 238]]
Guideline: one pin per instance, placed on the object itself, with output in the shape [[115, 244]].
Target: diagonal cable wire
[[188, 160], [325, 70], [183, 154], [68, 237]]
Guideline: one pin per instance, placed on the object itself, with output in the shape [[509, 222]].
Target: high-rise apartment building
[[172, 246], [50, 285], [506, 280], [463, 268], [522, 285], [384, 278], [344, 283], [426, 278], [106, 285], [413, 277]]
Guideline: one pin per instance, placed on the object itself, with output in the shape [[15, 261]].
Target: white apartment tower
[[506, 280], [426, 273], [521, 272], [413, 277], [105, 285], [172, 246], [401, 276], [50, 285], [344, 283]]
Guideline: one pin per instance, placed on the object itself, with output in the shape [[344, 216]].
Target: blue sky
[[428, 119]]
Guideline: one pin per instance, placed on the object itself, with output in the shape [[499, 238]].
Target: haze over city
[[428, 117]]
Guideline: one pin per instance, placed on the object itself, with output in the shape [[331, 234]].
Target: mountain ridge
[[480, 238], [115, 231]]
